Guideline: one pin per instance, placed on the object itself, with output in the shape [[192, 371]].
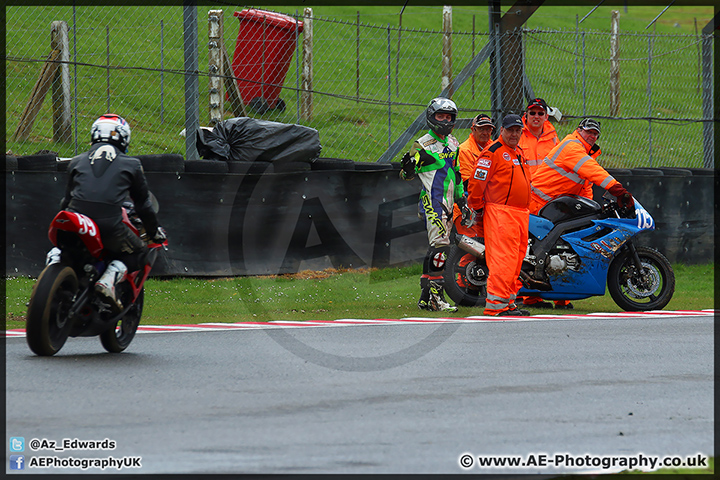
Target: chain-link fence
[[366, 85]]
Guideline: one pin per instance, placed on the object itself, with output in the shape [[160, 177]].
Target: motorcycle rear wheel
[[48, 325], [465, 278], [650, 289], [118, 338]]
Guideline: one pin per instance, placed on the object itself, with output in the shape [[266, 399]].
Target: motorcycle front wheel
[[465, 278], [118, 338], [641, 290], [48, 325]]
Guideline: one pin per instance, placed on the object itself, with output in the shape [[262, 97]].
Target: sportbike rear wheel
[[641, 290], [48, 325], [465, 278], [118, 338]]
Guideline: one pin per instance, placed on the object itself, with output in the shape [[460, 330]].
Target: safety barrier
[[226, 224]]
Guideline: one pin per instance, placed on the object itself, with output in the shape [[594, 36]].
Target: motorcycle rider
[[433, 158], [99, 181]]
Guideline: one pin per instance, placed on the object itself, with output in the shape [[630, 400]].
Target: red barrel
[[263, 51]]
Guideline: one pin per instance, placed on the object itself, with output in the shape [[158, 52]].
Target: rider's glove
[[159, 236], [407, 171], [467, 214], [624, 199]]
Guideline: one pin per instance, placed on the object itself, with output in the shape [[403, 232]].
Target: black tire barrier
[[648, 172], [162, 162], [11, 163], [373, 166], [290, 167], [251, 168], [703, 171], [676, 172], [42, 162], [206, 166], [619, 172], [332, 164], [62, 165]]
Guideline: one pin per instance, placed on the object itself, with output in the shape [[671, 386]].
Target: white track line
[[217, 327]]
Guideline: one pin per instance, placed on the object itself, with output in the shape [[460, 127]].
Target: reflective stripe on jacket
[[535, 149], [570, 168]]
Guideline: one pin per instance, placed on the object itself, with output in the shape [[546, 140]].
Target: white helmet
[[113, 129], [444, 105]]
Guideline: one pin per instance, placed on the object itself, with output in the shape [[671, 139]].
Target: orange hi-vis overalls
[[535, 149], [468, 156], [501, 185], [570, 168]]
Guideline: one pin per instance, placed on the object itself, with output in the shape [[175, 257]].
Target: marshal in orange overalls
[[501, 183]]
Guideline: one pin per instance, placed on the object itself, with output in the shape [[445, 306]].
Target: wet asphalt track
[[373, 399]]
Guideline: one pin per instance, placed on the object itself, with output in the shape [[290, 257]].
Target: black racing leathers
[[99, 181]]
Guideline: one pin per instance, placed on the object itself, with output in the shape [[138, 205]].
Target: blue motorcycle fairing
[[595, 250], [540, 226]]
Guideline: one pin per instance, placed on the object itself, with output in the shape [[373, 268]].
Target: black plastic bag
[[245, 139]]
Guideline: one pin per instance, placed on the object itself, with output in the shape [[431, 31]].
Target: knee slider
[[436, 259]]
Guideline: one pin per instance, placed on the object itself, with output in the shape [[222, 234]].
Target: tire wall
[[252, 224]]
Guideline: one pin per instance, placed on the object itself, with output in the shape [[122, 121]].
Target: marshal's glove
[[407, 170], [466, 213], [624, 199]]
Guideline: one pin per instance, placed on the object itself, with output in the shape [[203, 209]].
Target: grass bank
[[327, 295]]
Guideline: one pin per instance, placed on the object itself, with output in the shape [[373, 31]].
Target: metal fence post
[[614, 64], [389, 77], [649, 95], [192, 88]]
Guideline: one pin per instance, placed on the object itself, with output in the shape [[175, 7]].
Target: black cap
[[537, 102], [512, 120], [589, 124], [483, 120]]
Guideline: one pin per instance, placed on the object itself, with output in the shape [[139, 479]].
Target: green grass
[[359, 130], [388, 293]]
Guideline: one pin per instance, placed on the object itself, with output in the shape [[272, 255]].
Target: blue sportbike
[[575, 247]]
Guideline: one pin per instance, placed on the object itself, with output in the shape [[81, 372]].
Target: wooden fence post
[[446, 81], [62, 119], [42, 85], [306, 99], [216, 67], [614, 64]]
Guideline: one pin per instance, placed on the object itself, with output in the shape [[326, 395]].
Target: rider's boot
[[53, 256], [424, 302], [437, 301], [105, 286]]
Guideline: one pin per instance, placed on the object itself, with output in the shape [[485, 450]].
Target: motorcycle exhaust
[[471, 245]]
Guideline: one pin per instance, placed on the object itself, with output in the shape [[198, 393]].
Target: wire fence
[[359, 84]]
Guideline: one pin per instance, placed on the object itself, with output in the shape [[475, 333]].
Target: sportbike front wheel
[[48, 325], [118, 338], [465, 278], [649, 288]]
